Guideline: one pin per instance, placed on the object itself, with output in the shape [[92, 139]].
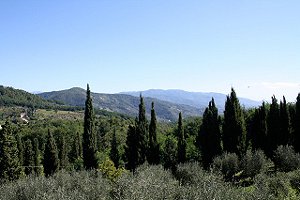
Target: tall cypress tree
[[273, 123], [153, 153], [234, 129], [297, 125], [285, 134], [131, 150], [37, 157], [51, 160], [259, 128], [142, 132], [209, 136], [114, 151], [28, 158], [21, 149], [10, 168], [89, 135], [181, 148], [63, 153]]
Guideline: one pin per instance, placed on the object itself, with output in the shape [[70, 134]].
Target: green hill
[[121, 103]]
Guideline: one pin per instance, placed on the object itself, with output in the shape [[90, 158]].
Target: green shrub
[[253, 163], [286, 159], [227, 164]]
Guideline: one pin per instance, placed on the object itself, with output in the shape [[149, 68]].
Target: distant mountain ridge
[[195, 99], [122, 103]]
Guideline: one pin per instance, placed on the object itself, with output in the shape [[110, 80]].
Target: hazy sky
[[252, 45]]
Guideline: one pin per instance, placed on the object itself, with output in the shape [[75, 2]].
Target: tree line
[[237, 131]]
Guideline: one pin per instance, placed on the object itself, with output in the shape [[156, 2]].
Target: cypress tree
[[142, 132], [170, 154], [37, 157], [10, 168], [63, 154], [153, 153], [209, 136], [51, 161], [89, 135], [114, 152], [259, 128], [76, 150], [285, 134], [131, 150], [181, 149], [234, 129], [21, 149], [273, 123], [297, 125], [28, 158]]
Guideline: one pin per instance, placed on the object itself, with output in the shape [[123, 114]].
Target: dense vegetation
[[243, 154]]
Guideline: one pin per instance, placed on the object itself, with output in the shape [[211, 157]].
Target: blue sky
[[124, 45]]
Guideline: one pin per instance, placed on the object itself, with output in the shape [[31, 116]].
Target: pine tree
[[234, 128], [297, 125], [51, 161], [209, 136], [21, 149], [273, 123], [181, 149], [259, 128], [28, 158], [131, 148], [63, 154], [89, 135], [37, 158], [142, 132], [114, 152], [285, 134], [10, 168], [153, 153]]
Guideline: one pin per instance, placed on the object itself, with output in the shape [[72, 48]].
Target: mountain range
[[168, 103]]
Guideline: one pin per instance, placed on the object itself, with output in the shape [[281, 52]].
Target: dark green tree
[[142, 132], [21, 149], [37, 158], [114, 151], [10, 168], [153, 152], [89, 135], [131, 150], [297, 125], [28, 158], [51, 160], [285, 129], [234, 128], [181, 148], [76, 150], [259, 128], [63, 153], [209, 135], [274, 124], [170, 154]]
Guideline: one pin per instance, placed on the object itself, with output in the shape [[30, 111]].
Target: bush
[[286, 159], [227, 164], [253, 163]]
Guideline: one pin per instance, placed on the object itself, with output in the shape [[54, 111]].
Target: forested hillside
[[238, 154]]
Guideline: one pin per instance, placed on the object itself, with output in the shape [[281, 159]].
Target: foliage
[[89, 136], [131, 149], [51, 160], [181, 146], [297, 125], [234, 129], [110, 171], [227, 164], [114, 151], [253, 163], [153, 151], [28, 157], [286, 159]]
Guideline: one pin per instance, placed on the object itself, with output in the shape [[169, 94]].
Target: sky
[[132, 45]]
